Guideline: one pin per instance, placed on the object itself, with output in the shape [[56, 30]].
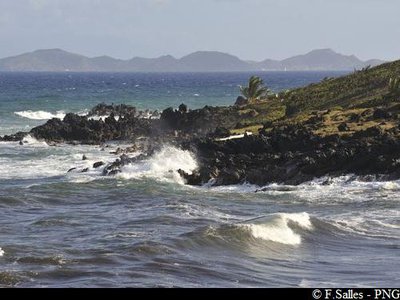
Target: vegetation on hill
[[364, 88], [324, 106]]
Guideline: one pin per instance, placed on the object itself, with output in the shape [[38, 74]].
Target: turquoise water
[[146, 228]]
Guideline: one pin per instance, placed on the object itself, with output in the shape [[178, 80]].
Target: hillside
[[360, 89], [57, 60], [46, 60], [213, 61], [321, 59], [351, 99]]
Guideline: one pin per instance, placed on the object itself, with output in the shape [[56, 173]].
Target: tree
[[255, 89]]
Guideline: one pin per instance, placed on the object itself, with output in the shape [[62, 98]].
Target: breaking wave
[[40, 114], [272, 231], [277, 228], [162, 166]]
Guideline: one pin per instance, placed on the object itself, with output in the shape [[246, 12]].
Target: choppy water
[[145, 228]]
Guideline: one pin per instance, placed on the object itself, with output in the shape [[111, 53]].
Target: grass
[[324, 106], [264, 112], [321, 107], [365, 88]]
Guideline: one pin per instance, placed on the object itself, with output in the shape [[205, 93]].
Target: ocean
[[146, 228]]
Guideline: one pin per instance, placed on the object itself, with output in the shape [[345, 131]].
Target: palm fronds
[[255, 89]]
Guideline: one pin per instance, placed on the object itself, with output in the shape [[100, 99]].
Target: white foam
[[1, 252], [336, 191], [390, 185], [40, 114], [195, 211], [321, 190], [305, 283], [31, 141], [239, 188], [377, 223], [277, 229], [83, 112], [385, 224], [37, 160], [162, 166]]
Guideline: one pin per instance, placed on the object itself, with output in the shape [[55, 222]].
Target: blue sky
[[250, 29]]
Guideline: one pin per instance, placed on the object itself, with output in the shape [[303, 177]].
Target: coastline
[[125, 208], [289, 138]]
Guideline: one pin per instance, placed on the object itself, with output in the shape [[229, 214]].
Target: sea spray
[[33, 142], [162, 166]]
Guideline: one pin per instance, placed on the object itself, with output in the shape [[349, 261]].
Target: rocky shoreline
[[293, 155], [278, 153], [347, 125]]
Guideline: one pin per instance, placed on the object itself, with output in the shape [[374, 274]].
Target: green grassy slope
[[365, 88], [357, 94]]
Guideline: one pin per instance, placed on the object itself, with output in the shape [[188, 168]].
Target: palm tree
[[255, 89]]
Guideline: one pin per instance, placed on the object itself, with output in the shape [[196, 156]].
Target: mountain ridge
[[58, 60]]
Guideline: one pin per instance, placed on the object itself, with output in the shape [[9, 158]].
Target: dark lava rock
[[343, 127], [292, 155], [354, 117], [288, 154], [98, 164], [183, 108], [221, 132], [381, 114], [80, 129], [19, 136], [117, 110]]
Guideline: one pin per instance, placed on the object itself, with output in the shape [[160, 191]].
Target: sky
[[249, 29]]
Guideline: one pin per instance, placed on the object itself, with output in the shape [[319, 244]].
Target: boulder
[[98, 164], [343, 127], [183, 108], [381, 114]]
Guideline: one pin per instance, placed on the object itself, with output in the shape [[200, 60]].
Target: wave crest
[[276, 228]]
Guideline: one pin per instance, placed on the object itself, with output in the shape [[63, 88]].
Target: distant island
[[58, 60]]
